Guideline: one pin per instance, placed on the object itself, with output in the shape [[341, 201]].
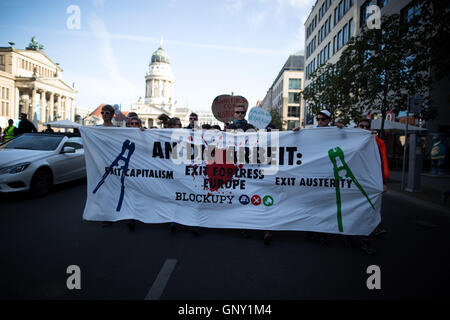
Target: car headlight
[[15, 168]]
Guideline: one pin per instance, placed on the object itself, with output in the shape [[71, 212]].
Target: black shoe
[[379, 232], [367, 247], [267, 238]]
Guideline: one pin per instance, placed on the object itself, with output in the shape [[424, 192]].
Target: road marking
[[161, 280]]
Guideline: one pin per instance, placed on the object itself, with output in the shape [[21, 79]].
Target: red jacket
[[383, 156]]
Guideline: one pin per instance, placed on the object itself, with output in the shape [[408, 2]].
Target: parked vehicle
[[35, 161]]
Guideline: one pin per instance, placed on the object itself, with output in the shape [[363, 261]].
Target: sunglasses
[[240, 112], [135, 123], [364, 126], [193, 119], [105, 112], [321, 119]]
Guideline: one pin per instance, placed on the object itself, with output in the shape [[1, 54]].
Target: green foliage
[[277, 122], [380, 68]]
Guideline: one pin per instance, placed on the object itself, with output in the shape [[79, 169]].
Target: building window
[[294, 112], [294, 97], [334, 45], [340, 10], [383, 3], [364, 13], [335, 16], [345, 34], [409, 12], [339, 40], [2, 60], [350, 28], [295, 84]]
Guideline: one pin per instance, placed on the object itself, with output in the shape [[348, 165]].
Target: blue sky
[[215, 47]]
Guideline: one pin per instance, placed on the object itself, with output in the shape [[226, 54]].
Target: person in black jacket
[[193, 121], [239, 121], [25, 125]]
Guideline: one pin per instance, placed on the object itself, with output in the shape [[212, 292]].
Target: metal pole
[[404, 148]]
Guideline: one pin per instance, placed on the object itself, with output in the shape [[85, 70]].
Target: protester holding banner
[[164, 119], [193, 119], [365, 124], [129, 117], [174, 123], [239, 123], [107, 115], [323, 119]]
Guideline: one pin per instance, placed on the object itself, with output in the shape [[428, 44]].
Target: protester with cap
[[323, 119]]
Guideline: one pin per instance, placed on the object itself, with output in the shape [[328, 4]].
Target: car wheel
[[41, 182]]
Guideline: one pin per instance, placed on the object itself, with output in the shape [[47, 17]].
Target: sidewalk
[[431, 191]]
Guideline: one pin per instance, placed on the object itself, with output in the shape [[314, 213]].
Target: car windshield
[[34, 142]]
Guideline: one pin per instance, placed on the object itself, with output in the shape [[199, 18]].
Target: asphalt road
[[41, 238]]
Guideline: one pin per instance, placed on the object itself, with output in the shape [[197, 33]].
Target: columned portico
[[34, 86], [51, 109], [43, 106]]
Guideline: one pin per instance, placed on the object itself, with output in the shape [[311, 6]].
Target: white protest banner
[[319, 179], [259, 117]]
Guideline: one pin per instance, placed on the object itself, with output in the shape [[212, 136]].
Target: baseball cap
[[326, 113]]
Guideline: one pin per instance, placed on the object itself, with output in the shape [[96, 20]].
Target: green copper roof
[[160, 56]]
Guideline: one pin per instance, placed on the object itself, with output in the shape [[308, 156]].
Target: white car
[[36, 161]]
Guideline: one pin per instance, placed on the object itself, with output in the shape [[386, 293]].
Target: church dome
[[160, 56]]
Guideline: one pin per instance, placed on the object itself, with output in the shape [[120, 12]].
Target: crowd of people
[[25, 126], [323, 118]]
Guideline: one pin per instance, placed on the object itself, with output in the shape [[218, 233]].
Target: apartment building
[[332, 23], [284, 94]]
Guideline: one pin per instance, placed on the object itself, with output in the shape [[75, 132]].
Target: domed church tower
[[159, 81], [159, 98]]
